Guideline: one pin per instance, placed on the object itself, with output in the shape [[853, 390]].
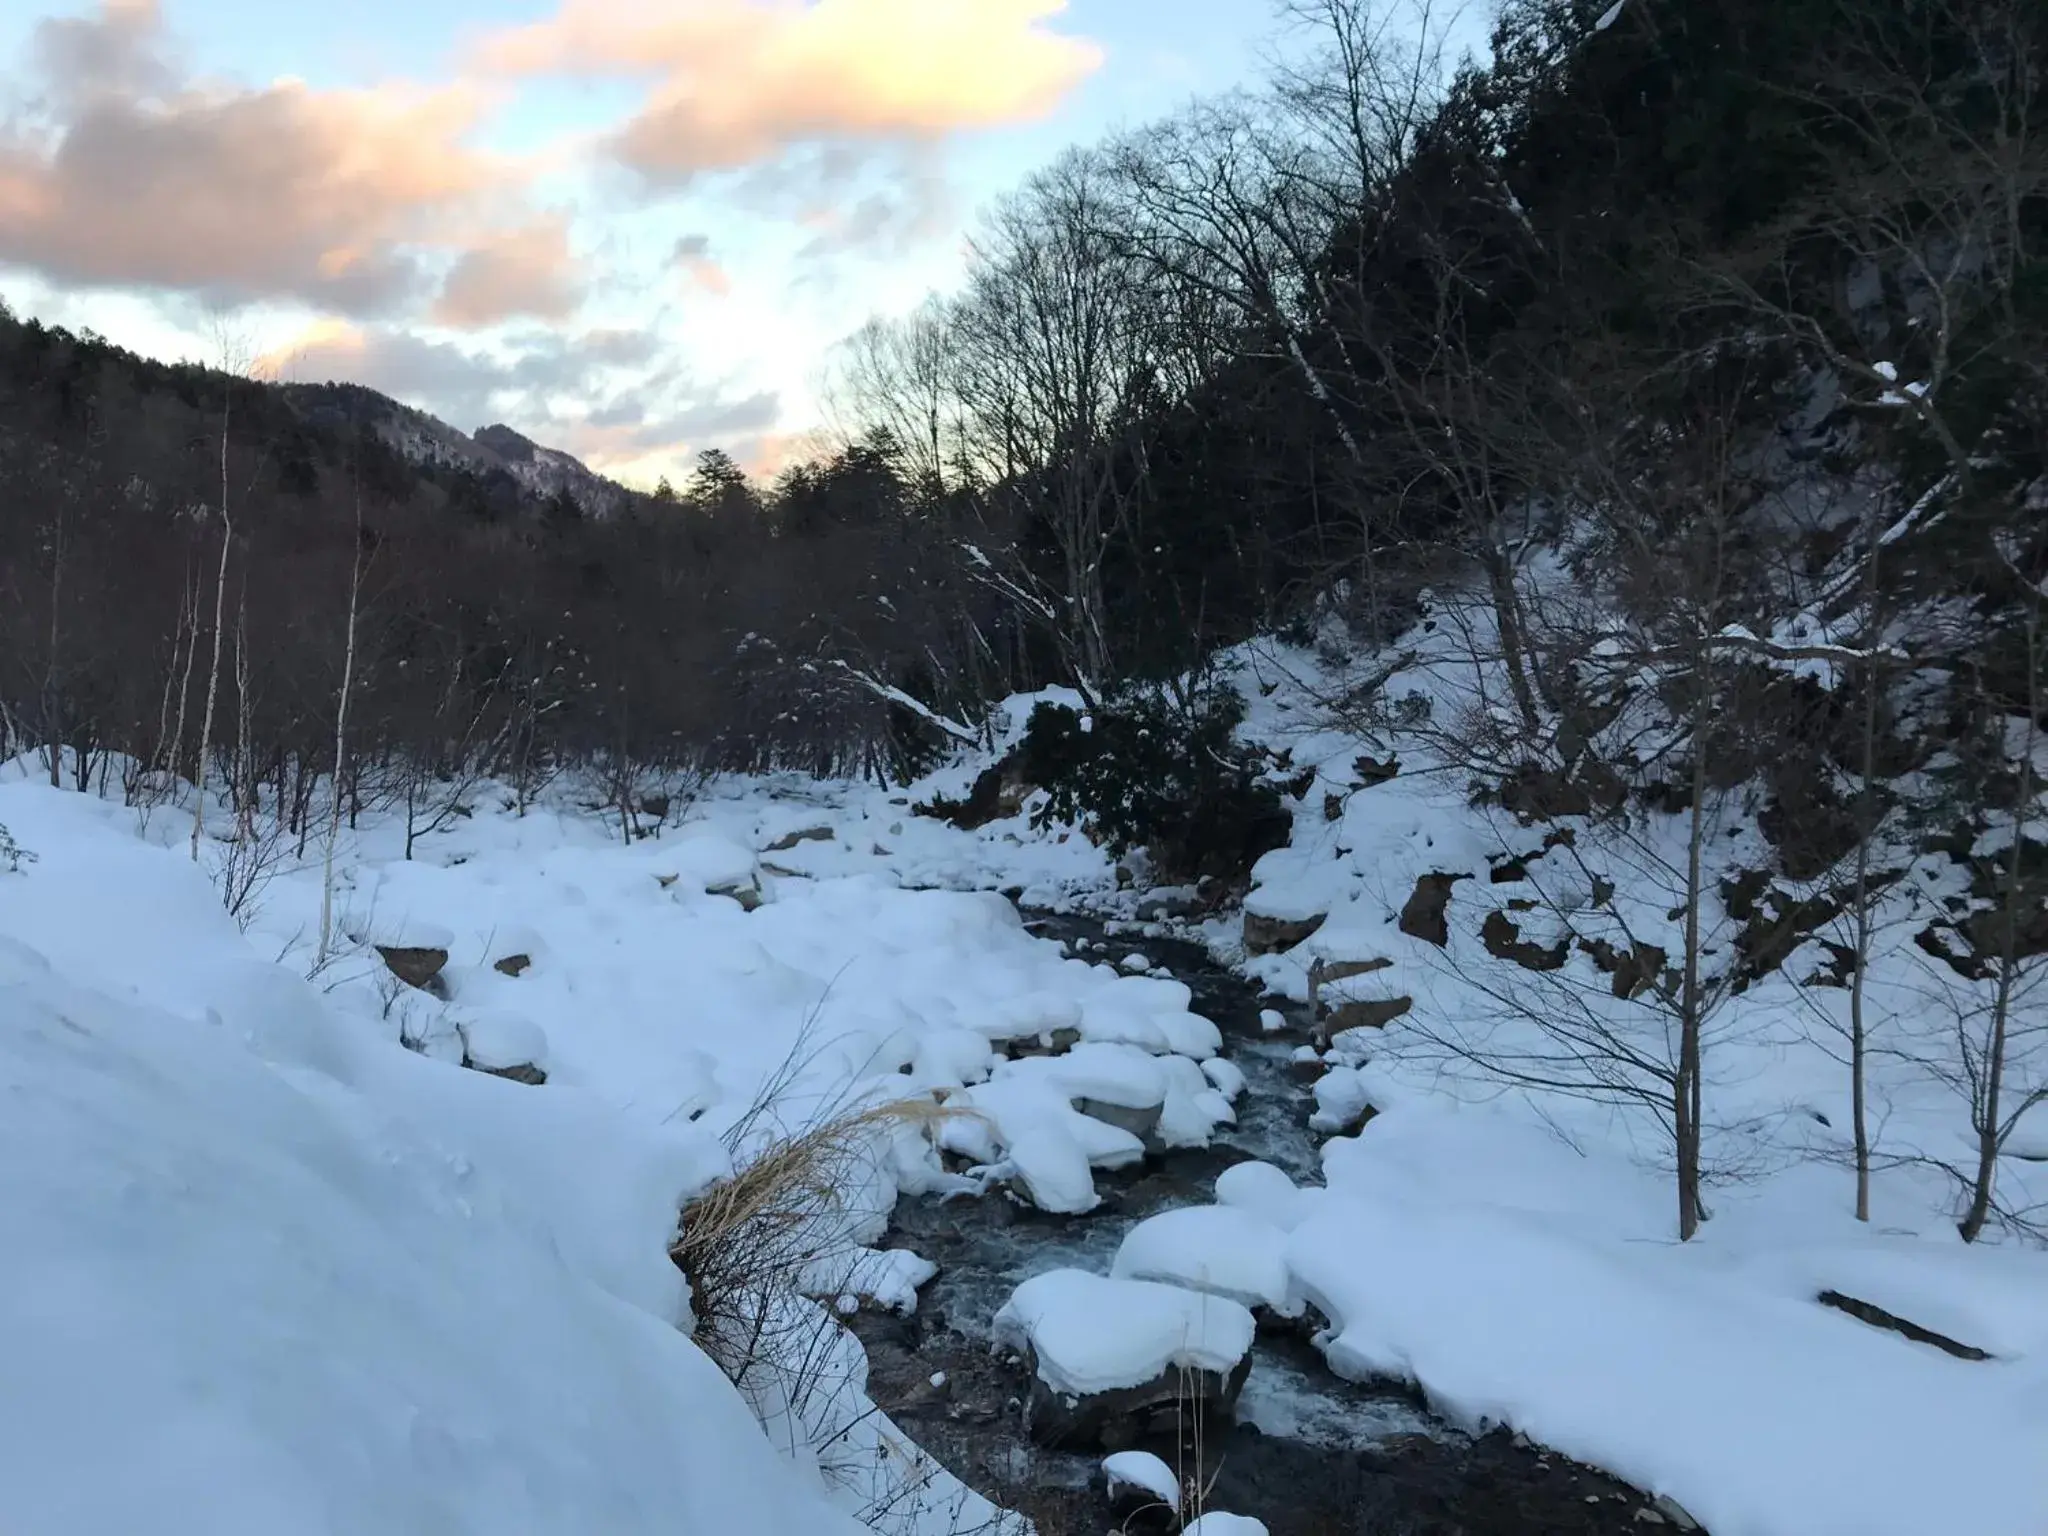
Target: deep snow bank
[[266, 1273]]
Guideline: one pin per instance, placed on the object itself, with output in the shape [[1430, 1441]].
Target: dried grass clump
[[781, 1216]]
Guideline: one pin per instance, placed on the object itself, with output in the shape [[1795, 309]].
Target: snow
[[1512, 1250], [287, 1277], [1265, 1191], [1764, 1412], [888, 1277], [1217, 1523], [1342, 1095], [1221, 1250], [1091, 1333], [1226, 1077], [299, 1277], [1142, 1472], [499, 1039]]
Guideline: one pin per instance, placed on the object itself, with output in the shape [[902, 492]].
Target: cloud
[[78, 57], [612, 375], [524, 272], [462, 387], [889, 220], [700, 271], [739, 83], [124, 172]]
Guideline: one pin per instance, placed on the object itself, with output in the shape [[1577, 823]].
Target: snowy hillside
[[379, 1240]]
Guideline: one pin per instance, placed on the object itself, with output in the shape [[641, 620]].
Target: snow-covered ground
[[1511, 1245], [288, 1274]]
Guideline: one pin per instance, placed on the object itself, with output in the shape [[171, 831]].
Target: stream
[[1309, 1453]]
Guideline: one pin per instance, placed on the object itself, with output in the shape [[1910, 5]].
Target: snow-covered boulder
[[1108, 1354], [1266, 1192], [1139, 1480], [1220, 1250], [505, 1045]]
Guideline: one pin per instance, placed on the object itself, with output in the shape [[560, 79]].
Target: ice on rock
[[1226, 1077], [1026, 1127], [1222, 1250], [1037, 1014], [1265, 1191], [1053, 1170], [497, 1041], [889, 1277], [1189, 1034], [1110, 1074], [704, 860], [400, 929], [1141, 1472], [949, 1058], [1342, 1098], [1092, 1333]]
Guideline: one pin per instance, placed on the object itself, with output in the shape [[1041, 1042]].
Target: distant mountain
[[428, 441]]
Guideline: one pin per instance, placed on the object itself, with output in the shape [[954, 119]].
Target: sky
[[632, 229]]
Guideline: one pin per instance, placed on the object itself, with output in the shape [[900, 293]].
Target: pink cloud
[[523, 272], [700, 271], [136, 175], [737, 83]]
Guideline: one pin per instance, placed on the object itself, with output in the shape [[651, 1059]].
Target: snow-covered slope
[[265, 1273]]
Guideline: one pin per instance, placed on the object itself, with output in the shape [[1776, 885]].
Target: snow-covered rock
[[1108, 1353], [1140, 1477], [505, 1044], [1222, 1250]]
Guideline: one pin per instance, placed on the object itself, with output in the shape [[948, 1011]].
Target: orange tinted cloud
[[135, 176], [700, 271], [738, 82], [524, 272]]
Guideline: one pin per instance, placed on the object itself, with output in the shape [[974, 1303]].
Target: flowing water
[[1309, 1454]]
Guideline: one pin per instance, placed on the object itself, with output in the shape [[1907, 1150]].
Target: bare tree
[[220, 601], [1055, 365], [341, 703]]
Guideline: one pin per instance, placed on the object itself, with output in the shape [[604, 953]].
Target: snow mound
[[1766, 1412], [1218, 1249], [275, 1305], [1220, 1524], [1089, 1334], [1141, 1472], [1265, 1191], [495, 1041]]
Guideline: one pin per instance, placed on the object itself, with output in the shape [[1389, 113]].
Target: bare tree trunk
[[242, 779], [220, 604], [1685, 1095], [1500, 579], [1986, 1112], [1859, 1034], [191, 626], [53, 681], [348, 672]]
